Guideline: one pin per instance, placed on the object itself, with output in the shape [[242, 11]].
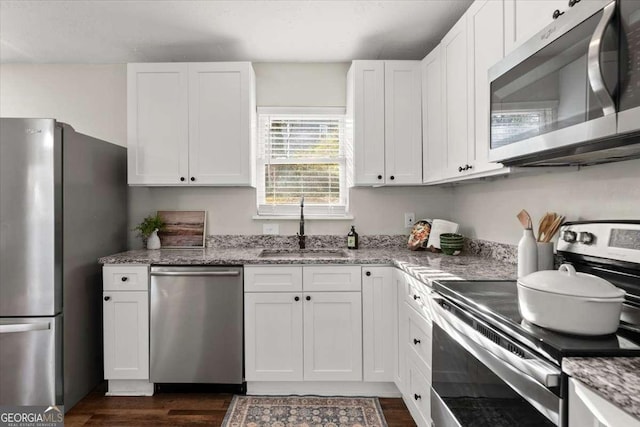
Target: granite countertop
[[617, 379], [423, 265]]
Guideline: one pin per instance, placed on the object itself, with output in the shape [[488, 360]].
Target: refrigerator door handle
[[24, 327]]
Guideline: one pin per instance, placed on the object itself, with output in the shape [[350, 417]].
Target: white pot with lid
[[570, 302]]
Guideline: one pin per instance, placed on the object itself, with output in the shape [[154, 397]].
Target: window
[[301, 152]]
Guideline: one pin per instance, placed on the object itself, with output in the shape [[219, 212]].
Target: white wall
[[488, 210], [91, 98]]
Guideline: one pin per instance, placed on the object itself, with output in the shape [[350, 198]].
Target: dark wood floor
[[181, 409]]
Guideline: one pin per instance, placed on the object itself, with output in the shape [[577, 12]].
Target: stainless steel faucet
[[301, 236]]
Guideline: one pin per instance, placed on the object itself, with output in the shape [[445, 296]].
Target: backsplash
[[499, 251]]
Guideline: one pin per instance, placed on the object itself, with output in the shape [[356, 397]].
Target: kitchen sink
[[303, 253]]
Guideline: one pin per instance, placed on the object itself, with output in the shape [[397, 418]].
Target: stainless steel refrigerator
[[63, 204]]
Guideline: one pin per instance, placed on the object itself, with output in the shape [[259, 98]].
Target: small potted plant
[[148, 230]]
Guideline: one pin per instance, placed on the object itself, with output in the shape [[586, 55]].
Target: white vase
[[527, 254], [153, 241]]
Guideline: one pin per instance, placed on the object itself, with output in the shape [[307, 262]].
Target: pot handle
[[569, 269]]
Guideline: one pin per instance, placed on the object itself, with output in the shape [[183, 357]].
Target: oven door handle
[[594, 69], [538, 370]]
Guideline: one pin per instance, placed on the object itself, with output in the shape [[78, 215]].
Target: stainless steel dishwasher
[[196, 325]]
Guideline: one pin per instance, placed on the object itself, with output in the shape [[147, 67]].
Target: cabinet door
[[157, 124], [434, 147], [273, 336], [402, 328], [365, 112], [379, 324], [403, 122], [485, 29], [332, 336], [220, 123], [587, 408], [524, 18], [126, 335], [455, 97]]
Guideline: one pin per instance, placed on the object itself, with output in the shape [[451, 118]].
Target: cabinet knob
[[379, 176], [392, 177], [469, 167], [417, 397], [573, 2], [297, 298], [557, 13], [182, 178], [124, 278], [416, 297], [308, 298], [368, 273], [416, 341], [460, 169], [193, 178], [107, 298]]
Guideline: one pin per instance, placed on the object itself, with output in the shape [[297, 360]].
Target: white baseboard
[[130, 388], [323, 388]]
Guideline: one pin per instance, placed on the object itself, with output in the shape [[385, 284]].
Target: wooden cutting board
[[184, 229]]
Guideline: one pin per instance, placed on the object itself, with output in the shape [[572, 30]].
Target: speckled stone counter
[[425, 266], [617, 379]]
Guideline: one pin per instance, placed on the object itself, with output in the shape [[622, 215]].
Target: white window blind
[[301, 153]]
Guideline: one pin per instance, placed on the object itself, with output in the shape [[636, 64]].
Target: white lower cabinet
[[587, 408], [418, 393], [273, 336], [379, 324], [126, 335], [332, 336], [304, 336]]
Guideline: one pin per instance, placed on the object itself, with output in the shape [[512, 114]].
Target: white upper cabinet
[[527, 17], [221, 109], [384, 122], [191, 124], [365, 111], [456, 96], [456, 135], [403, 122], [485, 31], [434, 147], [157, 123]]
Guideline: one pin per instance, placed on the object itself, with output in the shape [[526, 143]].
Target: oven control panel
[[618, 240]]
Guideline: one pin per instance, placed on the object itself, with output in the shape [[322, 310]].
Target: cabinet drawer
[[419, 336], [417, 296], [125, 278], [273, 278], [418, 389], [332, 278]]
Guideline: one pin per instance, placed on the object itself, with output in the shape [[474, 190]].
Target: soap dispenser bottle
[[352, 238]]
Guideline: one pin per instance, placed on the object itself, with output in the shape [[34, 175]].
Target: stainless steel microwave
[[571, 94]]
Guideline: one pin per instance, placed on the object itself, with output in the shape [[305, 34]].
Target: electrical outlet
[[270, 229], [409, 219]]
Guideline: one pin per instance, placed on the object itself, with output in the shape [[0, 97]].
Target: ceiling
[[110, 31]]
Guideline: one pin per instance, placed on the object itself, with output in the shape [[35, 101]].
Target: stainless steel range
[[492, 368]]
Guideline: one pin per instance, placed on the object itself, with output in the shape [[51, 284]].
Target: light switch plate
[[270, 229]]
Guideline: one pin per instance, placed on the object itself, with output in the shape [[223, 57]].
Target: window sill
[[306, 217]]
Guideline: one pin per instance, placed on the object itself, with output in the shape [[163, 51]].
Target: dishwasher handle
[[196, 273]]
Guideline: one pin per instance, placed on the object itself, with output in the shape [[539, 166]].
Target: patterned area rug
[[304, 411]]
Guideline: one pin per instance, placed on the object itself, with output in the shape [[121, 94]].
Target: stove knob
[[569, 236], [586, 237]]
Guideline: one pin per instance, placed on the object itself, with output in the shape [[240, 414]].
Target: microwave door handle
[[594, 70]]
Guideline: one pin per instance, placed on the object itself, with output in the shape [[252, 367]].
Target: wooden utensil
[[542, 226], [525, 219], [553, 229]]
